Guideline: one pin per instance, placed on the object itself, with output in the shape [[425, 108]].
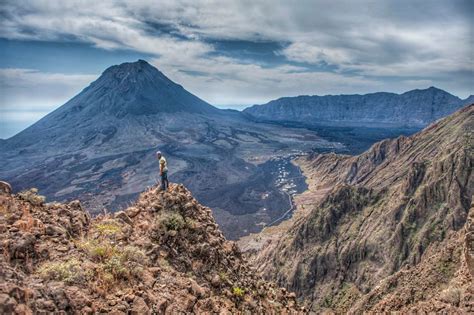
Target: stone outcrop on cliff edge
[[392, 234], [163, 254]]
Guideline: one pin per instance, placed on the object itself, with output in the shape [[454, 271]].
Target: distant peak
[[138, 88], [430, 90], [469, 100], [140, 64]]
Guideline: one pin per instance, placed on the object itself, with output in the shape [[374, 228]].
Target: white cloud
[[32, 90], [260, 84], [363, 41], [308, 53], [26, 95]]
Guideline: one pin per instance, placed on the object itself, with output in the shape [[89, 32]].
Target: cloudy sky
[[232, 53]]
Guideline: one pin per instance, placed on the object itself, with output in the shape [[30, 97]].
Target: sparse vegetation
[[113, 263], [238, 292], [327, 302], [436, 231], [108, 228], [98, 250], [191, 224], [447, 268], [172, 221], [223, 276], [133, 259], [32, 196], [451, 296], [69, 271], [346, 296], [115, 267], [163, 263]]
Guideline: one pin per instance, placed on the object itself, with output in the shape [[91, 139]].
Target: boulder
[[5, 188]]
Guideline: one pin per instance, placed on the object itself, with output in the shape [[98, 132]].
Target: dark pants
[[164, 181]]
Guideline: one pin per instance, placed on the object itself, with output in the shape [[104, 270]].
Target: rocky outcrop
[[394, 231], [163, 254], [415, 108], [5, 188]]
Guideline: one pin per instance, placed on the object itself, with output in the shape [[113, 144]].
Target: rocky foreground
[[163, 254], [389, 230]]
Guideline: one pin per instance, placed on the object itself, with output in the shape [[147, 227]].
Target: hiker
[[163, 171]]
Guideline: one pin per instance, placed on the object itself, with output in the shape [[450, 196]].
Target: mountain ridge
[[415, 108], [163, 254], [386, 230]]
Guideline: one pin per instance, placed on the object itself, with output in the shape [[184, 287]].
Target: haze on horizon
[[244, 53]]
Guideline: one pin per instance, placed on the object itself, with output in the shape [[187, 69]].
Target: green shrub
[[164, 264], [172, 221], [238, 292], [115, 267], [98, 250], [134, 259], [126, 263], [108, 228], [132, 254], [32, 196], [69, 271]]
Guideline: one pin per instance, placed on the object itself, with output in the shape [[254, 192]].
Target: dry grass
[[98, 250], [451, 296], [111, 263], [108, 227], [32, 196], [69, 271], [171, 221]]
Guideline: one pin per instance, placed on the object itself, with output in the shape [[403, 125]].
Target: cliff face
[[393, 231], [415, 108], [163, 254]]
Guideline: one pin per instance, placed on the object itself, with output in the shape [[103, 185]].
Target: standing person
[[163, 171]]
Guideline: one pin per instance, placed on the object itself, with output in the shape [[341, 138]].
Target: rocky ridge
[[163, 254], [391, 231], [416, 108]]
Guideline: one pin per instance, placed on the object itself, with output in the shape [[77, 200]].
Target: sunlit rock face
[[387, 230]]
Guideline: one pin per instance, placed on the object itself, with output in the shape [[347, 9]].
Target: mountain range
[[388, 230], [100, 147], [412, 109]]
